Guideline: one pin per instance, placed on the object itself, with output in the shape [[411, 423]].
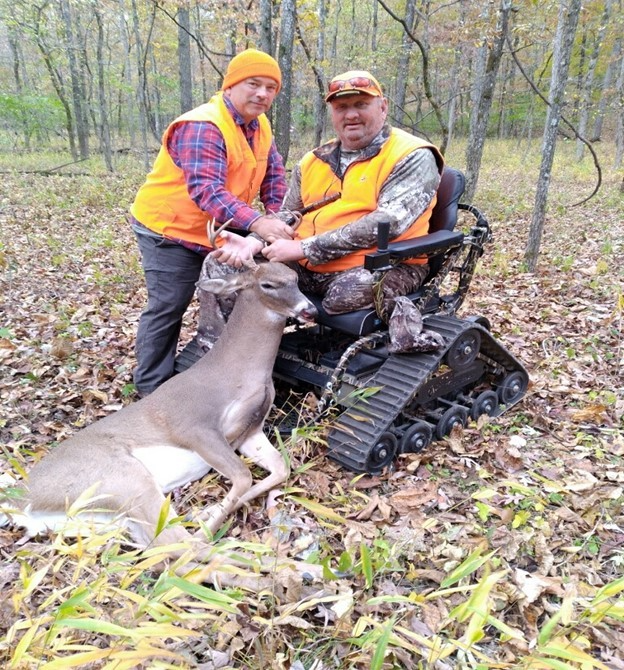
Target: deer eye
[[268, 286]]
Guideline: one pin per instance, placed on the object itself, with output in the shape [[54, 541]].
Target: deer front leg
[[218, 453], [261, 452]]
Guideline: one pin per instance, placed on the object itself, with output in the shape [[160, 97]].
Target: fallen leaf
[[533, 585]]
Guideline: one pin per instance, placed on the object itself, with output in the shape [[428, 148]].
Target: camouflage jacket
[[404, 196]]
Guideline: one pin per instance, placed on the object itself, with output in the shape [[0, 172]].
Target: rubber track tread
[[359, 428]]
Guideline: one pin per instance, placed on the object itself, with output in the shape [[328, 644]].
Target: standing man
[[382, 174], [213, 162]]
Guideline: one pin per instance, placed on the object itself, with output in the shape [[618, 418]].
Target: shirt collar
[[238, 119], [330, 152]]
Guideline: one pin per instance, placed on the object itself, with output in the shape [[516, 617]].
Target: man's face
[[252, 96], [357, 119]]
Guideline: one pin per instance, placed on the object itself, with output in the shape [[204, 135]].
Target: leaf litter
[[501, 546]]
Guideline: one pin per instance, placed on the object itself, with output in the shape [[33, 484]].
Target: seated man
[[380, 174]]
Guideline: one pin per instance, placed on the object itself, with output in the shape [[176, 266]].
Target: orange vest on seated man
[[359, 189], [163, 203]]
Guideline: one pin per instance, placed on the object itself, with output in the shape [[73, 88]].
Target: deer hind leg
[[139, 497], [143, 501], [123, 491]]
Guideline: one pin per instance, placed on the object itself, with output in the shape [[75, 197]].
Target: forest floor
[[501, 547]]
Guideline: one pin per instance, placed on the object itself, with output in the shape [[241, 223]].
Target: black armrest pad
[[438, 241]]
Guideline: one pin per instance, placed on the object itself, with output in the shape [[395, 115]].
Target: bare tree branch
[[320, 84], [568, 123], [202, 47], [426, 83]]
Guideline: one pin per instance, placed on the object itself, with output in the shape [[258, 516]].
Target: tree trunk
[[619, 113], [334, 46], [567, 22], [56, 79], [198, 29], [184, 60], [403, 65], [483, 102], [454, 78], [320, 108], [158, 119], [142, 86], [588, 84], [375, 26], [506, 97], [605, 90], [266, 26], [14, 47], [353, 52], [126, 98], [77, 88], [284, 58], [152, 94], [105, 137]]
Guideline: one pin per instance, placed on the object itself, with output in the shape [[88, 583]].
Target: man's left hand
[[271, 228], [283, 251]]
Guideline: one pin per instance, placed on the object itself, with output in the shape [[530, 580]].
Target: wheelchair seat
[[440, 239]]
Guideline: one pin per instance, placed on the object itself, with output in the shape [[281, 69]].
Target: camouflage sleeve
[[403, 198]]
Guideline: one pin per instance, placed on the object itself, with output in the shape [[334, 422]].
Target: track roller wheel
[[455, 415], [513, 387], [464, 350], [382, 453], [484, 403], [416, 438]]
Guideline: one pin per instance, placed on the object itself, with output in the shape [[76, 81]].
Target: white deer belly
[[82, 524], [172, 466]]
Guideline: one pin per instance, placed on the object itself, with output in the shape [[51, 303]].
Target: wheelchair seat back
[[444, 215]]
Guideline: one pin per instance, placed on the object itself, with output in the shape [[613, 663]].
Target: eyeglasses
[[356, 82]]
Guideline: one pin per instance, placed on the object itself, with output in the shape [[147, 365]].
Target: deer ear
[[212, 285], [224, 286]]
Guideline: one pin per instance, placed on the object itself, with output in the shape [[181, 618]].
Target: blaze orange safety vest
[[163, 203], [359, 190]]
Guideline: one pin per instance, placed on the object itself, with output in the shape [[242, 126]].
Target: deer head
[[274, 285]]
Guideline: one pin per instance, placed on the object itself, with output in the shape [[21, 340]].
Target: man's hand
[[282, 251], [270, 228], [237, 250]]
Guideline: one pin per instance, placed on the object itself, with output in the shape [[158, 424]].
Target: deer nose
[[308, 313]]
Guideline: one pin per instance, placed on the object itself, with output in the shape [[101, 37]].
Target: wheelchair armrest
[[419, 246], [427, 244]]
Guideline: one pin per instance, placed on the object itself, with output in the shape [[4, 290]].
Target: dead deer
[[196, 421]]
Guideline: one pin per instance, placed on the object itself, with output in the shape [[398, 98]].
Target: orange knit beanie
[[252, 63]]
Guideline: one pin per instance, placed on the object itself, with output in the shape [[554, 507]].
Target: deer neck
[[252, 333]]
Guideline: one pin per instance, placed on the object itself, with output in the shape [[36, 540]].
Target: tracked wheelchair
[[390, 403]]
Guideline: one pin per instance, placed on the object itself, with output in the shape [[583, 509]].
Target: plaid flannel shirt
[[199, 150]]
